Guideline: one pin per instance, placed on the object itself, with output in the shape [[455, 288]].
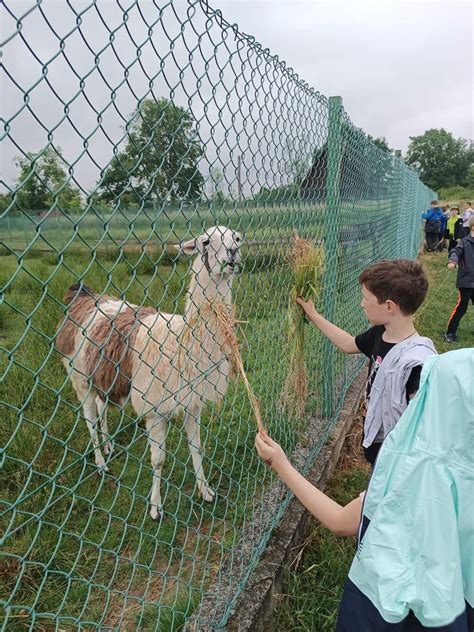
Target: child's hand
[[270, 451], [452, 265], [307, 306]]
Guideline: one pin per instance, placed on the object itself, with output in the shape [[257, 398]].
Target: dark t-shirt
[[372, 345]]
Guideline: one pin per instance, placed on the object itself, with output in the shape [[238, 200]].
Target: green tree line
[[160, 159], [442, 160]]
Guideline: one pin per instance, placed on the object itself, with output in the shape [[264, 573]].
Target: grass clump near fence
[[306, 262]]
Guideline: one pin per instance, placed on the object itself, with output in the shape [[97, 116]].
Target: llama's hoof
[[156, 513], [207, 493], [102, 470], [108, 448]]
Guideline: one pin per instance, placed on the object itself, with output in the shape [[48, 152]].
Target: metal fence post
[[331, 223], [400, 247]]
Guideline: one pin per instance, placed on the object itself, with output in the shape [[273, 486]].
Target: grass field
[[315, 579], [151, 227], [80, 547], [127, 228]]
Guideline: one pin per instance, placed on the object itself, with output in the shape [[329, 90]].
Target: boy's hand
[[308, 307], [270, 451], [452, 265]]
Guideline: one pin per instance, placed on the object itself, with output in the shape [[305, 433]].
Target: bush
[[456, 195]]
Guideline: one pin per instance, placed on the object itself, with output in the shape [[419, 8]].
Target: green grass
[[126, 228], [313, 590], [132, 229]]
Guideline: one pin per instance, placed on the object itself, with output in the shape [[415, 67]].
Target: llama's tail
[[76, 290]]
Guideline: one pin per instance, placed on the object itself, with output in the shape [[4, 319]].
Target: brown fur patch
[[81, 304], [108, 356]]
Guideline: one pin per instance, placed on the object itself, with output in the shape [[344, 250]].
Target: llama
[[114, 350]]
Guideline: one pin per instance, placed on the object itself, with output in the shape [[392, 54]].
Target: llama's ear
[[187, 247]]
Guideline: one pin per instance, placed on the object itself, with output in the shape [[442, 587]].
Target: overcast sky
[[401, 68]]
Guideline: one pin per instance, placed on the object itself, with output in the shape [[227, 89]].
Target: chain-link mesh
[[128, 127]]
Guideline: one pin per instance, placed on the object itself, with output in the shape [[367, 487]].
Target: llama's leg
[[102, 414], [191, 423], [87, 399], [156, 427]]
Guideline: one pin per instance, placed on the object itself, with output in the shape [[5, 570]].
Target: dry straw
[[306, 262], [224, 316]]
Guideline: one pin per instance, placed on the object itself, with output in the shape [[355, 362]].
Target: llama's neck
[[202, 290]]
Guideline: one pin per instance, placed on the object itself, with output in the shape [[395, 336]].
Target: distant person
[[462, 258], [468, 212], [453, 228], [434, 225]]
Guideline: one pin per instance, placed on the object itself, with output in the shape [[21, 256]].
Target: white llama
[[165, 362]]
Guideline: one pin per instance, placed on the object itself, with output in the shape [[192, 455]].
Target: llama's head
[[219, 250]]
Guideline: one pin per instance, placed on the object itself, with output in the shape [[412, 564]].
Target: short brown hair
[[434, 202], [402, 281]]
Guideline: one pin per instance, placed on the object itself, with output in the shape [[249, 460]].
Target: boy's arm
[[413, 383], [338, 336], [456, 254], [338, 519]]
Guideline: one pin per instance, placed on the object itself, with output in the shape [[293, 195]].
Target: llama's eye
[[237, 239], [206, 243]]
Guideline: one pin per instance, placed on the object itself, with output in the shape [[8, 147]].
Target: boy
[[453, 228], [468, 212], [392, 291], [462, 257], [434, 226]]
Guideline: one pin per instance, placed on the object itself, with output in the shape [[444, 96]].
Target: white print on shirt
[[375, 366]]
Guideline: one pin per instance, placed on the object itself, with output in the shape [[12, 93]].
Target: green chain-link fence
[[128, 127]]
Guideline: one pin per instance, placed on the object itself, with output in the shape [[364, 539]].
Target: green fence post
[[331, 223], [401, 243]]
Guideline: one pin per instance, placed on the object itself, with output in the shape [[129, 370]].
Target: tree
[[216, 186], [5, 201], [277, 195], [42, 181], [160, 159], [381, 143], [469, 181], [365, 172], [440, 159]]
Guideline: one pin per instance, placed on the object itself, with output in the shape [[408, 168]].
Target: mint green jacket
[[416, 546]]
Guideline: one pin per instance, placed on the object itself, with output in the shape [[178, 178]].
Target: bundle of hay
[[306, 262]]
